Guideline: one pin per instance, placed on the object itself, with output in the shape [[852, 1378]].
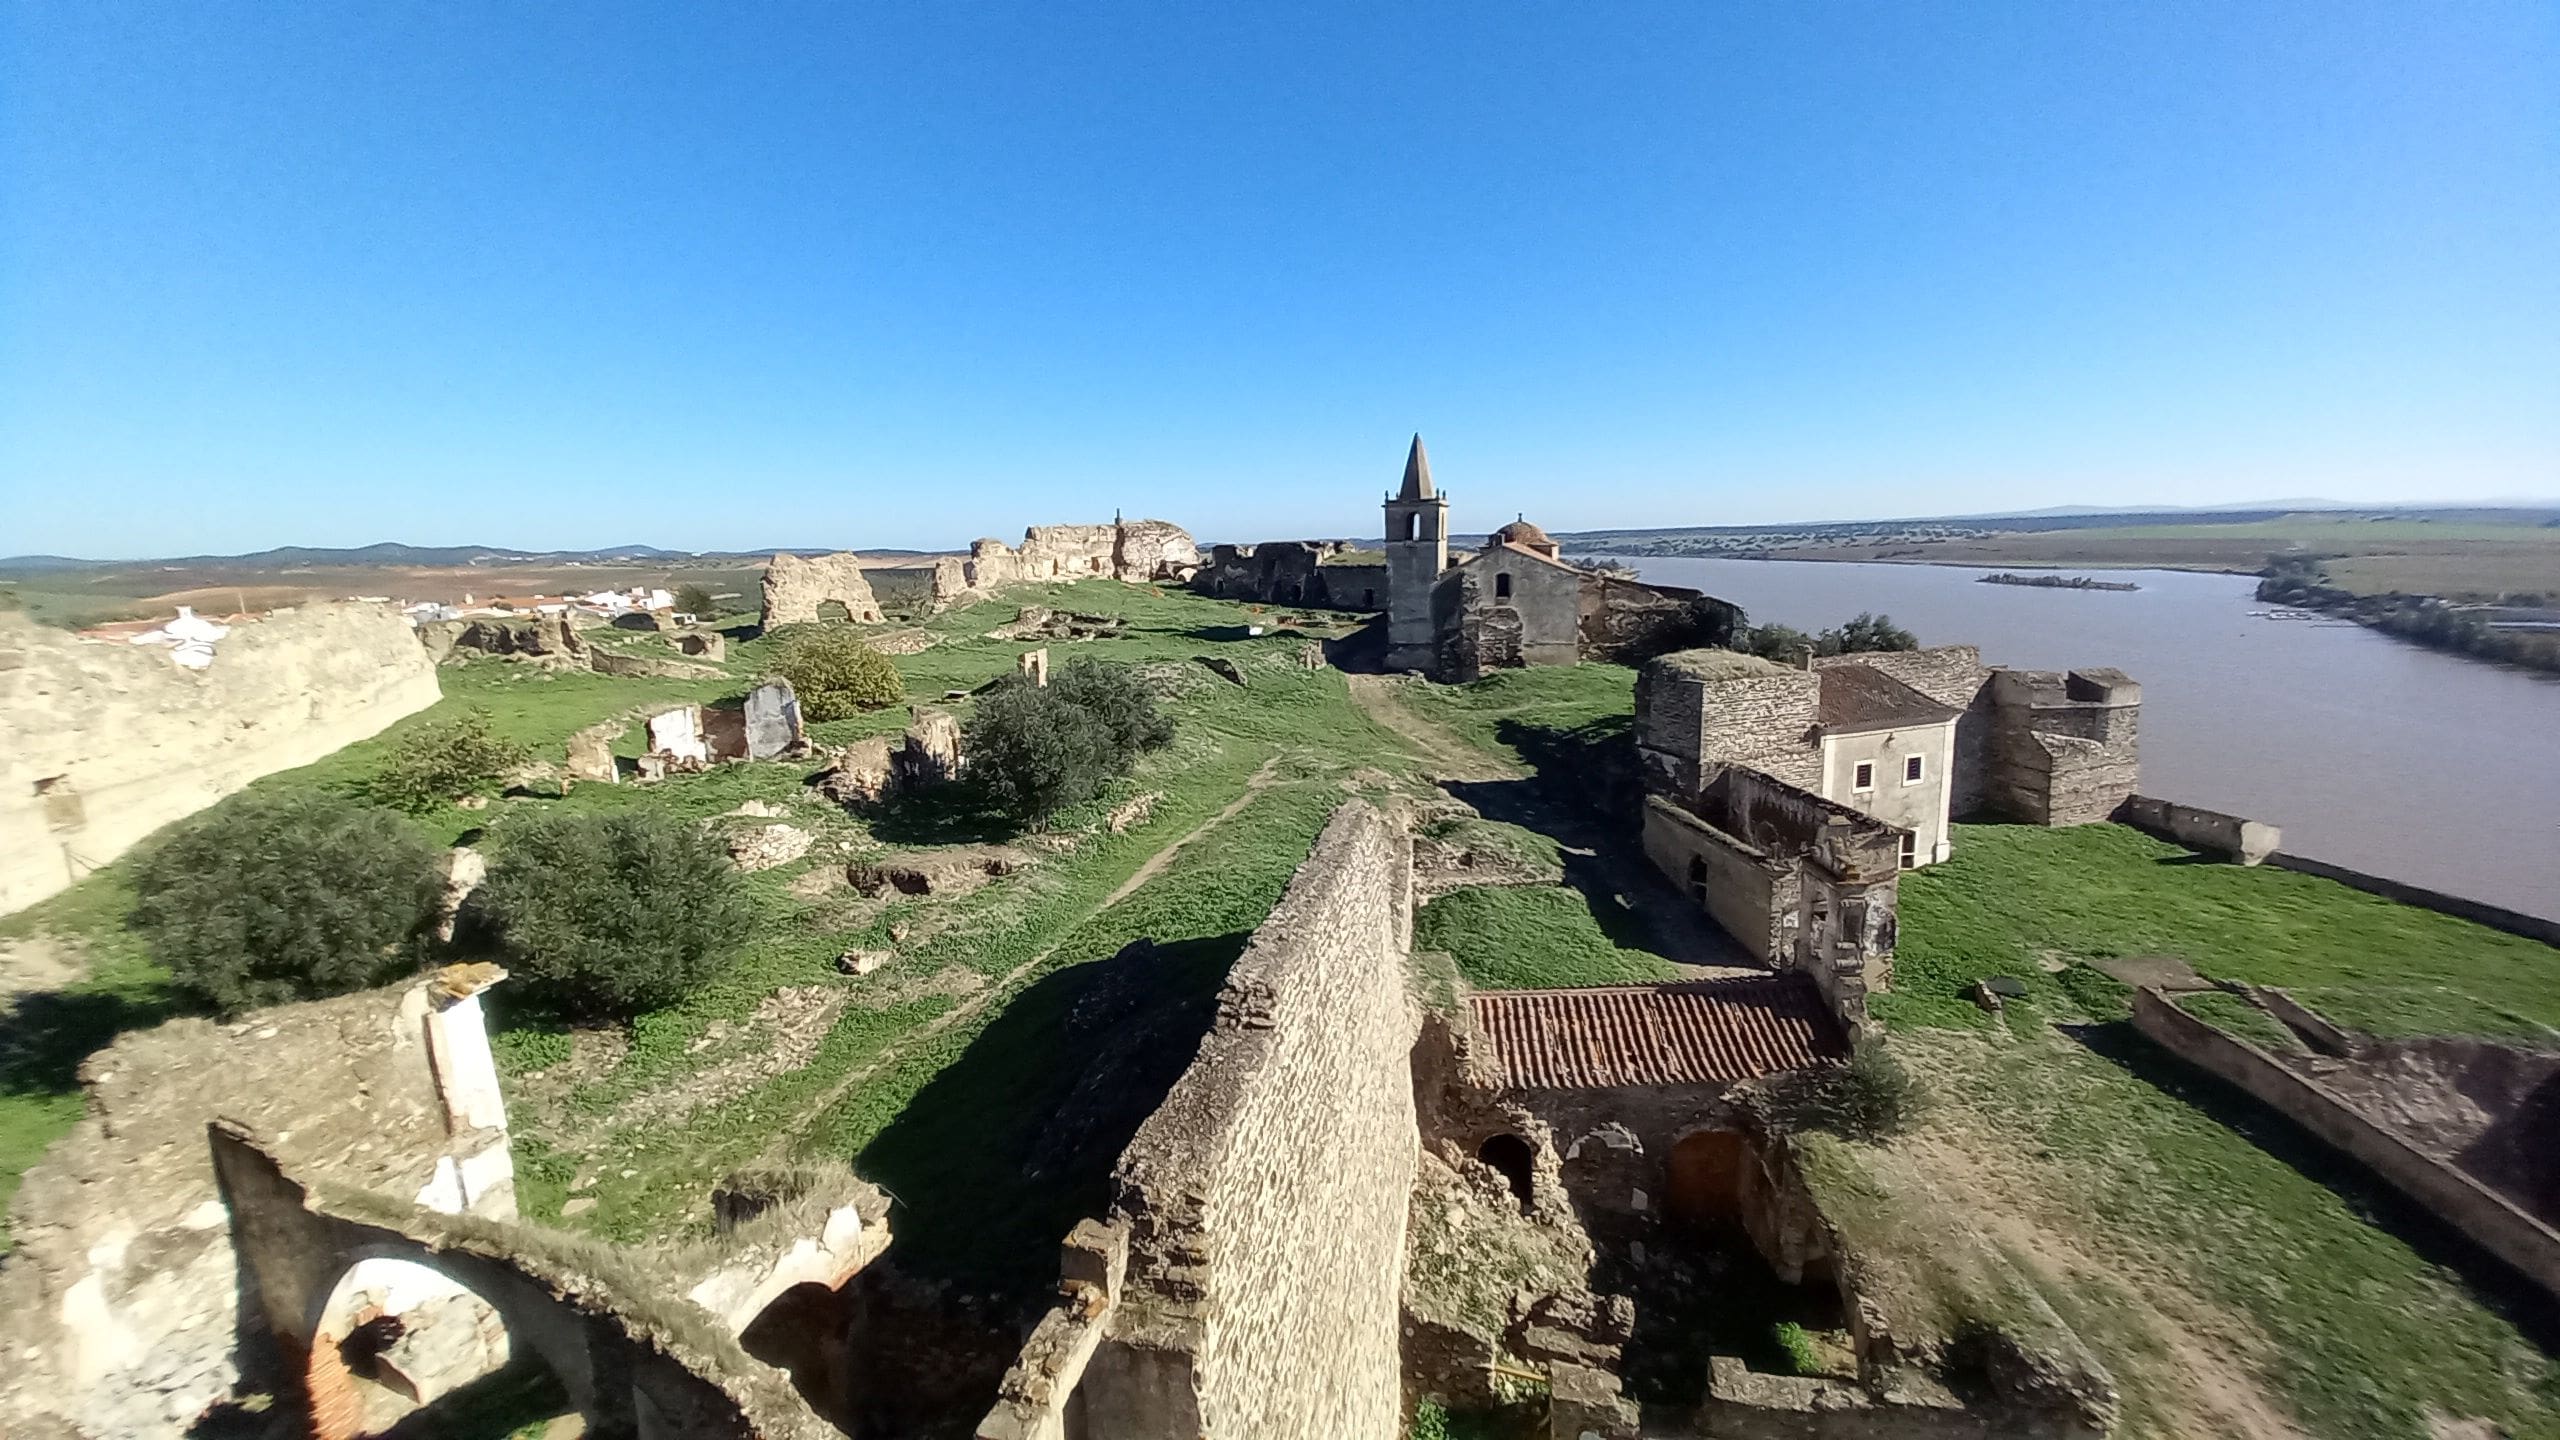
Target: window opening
[[1502, 586], [1911, 770], [1864, 778]]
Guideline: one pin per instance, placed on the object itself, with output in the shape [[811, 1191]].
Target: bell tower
[[1417, 551]]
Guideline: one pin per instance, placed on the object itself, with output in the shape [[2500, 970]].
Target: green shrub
[[1120, 700], [1430, 1422], [1871, 1098], [1803, 1356], [697, 601], [1033, 754], [836, 675], [614, 914], [438, 764], [265, 899], [1036, 751]]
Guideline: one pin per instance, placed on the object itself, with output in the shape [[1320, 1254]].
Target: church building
[[1516, 601]]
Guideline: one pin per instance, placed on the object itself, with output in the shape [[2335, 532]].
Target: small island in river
[[2057, 582]]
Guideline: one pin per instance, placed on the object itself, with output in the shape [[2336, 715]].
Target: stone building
[[1787, 802], [1516, 602]]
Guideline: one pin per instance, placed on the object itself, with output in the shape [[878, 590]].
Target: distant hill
[[391, 555]]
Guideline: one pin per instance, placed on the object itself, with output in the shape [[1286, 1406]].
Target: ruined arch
[[1516, 1161], [395, 1334], [1705, 1190], [795, 589]]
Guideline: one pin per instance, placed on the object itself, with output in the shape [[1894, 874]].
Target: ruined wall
[[1628, 622], [1266, 1199], [2499, 1225], [794, 588], [1154, 550], [2212, 832], [119, 1307], [2478, 912], [1751, 894], [1134, 551], [103, 743]]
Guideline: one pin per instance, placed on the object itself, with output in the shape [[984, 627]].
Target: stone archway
[[1706, 1179], [396, 1336]]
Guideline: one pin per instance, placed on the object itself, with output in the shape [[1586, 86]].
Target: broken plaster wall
[[103, 743], [1265, 1198], [1132, 551], [120, 1305]]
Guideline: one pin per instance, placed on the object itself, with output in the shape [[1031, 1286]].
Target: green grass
[[1226, 733], [1533, 937], [1517, 713], [2103, 890], [2367, 1321], [2242, 1021]]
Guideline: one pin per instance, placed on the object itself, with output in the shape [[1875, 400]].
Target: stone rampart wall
[[103, 743], [2229, 837], [2478, 912], [1266, 1200], [2496, 1223]]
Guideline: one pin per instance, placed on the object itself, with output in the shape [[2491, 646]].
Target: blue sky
[[901, 274]]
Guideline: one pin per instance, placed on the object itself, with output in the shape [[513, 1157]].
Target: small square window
[[1865, 778], [1911, 770]]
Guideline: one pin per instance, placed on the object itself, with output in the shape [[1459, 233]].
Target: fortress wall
[[1260, 1198], [102, 743]]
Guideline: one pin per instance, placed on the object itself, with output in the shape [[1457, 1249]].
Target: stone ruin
[[796, 587], [763, 724], [316, 1202], [870, 772], [100, 745], [1135, 552], [1543, 1161]]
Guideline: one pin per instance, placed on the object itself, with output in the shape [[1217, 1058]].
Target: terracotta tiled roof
[[1686, 1033], [1858, 697]]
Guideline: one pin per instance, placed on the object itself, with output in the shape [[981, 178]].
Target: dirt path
[[891, 1053], [1440, 751], [2204, 1372], [1601, 870]]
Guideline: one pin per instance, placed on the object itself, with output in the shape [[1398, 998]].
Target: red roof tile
[[1685, 1033]]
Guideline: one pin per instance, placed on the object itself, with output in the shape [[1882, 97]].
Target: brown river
[[2370, 752]]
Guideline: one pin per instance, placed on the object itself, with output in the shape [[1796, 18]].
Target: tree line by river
[[2301, 581]]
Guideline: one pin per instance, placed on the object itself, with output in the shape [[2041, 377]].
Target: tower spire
[[1417, 473]]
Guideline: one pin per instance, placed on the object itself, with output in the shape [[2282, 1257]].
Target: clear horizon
[[551, 280]]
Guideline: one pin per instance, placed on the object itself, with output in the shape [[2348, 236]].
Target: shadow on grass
[[1598, 863], [955, 812], [2489, 1280], [998, 1156]]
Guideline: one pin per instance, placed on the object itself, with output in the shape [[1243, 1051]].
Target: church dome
[[1521, 532]]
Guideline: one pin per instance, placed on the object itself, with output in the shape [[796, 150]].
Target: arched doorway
[[1511, 1155], [1706, 1179], [404, 1349], [834, 610], [807, 1333]]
